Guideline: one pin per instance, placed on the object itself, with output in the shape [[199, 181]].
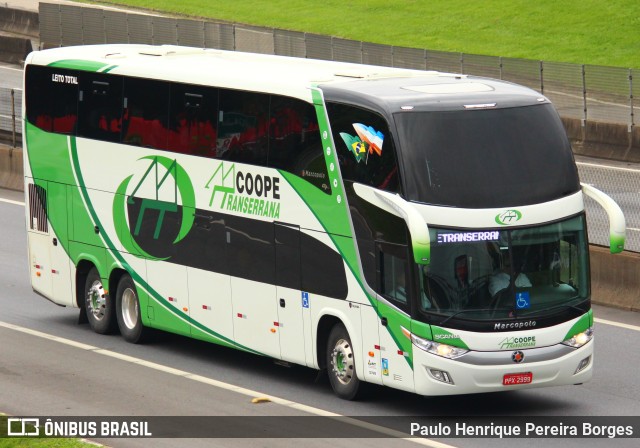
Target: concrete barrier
[[11, 168], [20, 21], [615, 279], [14, 50], [604, 140]]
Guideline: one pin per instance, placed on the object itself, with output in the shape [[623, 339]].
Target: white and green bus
[[419, 230]]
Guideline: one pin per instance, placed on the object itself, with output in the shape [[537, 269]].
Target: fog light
[[583, 364], [440, 375]]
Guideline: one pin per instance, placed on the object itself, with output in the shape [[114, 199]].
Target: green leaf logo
[[508, 217], [152, 215]]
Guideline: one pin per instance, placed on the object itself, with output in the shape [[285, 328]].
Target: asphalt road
[[10, 76], [178, 376]]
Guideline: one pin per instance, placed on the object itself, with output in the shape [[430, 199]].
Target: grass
[[35, 442], [598, 32], [42, 442]]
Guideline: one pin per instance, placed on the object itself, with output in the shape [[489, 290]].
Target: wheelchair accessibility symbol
[[522, 300]]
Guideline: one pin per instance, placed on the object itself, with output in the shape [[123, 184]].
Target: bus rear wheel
[[128, 311], [98, 305], [341, 363]]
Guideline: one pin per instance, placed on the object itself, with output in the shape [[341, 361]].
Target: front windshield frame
[[505, 274], [462, 158]]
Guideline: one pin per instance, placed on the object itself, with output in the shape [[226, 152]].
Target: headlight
[[444, 350], [580, 339]]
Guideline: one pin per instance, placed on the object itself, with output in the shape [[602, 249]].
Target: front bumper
[[478, 372]]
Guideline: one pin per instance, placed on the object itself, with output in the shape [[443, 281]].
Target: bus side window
[[146, 113], [364, 145], [100, 107], [52, 99], [193, 120], [393, 278], [243, 130], [294, 141]]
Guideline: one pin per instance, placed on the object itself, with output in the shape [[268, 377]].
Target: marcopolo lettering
[[514, 325], [258, 185]]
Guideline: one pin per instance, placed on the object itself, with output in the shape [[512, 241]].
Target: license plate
[[513, 379]]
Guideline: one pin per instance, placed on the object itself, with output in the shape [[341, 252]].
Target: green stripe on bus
[[79, 64]]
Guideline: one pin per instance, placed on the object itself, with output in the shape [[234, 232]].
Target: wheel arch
[[83, 268], [114, 278], [326, 322]]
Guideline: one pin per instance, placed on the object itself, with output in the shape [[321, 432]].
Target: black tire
[[128, 312], [341, 364], [99, 307]]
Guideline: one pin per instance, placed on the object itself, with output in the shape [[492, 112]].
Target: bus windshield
[[486, 158], [501, 273]]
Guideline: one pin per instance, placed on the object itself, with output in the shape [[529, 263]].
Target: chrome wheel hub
[[97, 300], [342, 361], [129, 308]]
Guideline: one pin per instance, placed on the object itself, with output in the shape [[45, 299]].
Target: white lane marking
[[2, 67], [225, 386], [608, 167], [617, 324], [9, 201]]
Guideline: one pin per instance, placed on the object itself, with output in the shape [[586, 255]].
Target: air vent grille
[[38, 209]]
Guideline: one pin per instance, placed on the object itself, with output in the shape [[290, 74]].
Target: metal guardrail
[[622, 184], [10, 116], [584, 92]]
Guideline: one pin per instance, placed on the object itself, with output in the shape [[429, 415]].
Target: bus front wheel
[[128, 311], [341, 363], [98, 305]]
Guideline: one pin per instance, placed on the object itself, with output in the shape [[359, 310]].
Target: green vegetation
[[35, 442], [42, 442], [599, 32]]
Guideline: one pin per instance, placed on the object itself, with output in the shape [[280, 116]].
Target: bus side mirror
[[394, 204], [617, 224]]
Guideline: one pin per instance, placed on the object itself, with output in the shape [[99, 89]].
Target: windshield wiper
[[465, 311], [479, 310], [564, 305]]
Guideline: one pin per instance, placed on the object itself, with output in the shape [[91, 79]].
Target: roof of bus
[[383, 86]]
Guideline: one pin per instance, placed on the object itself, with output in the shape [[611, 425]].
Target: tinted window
[[287, 255], [100, 107], [372, 225], [145, 118], [251, 252], [364, 145], [194, 120], [205, 245], [243, 127], [394, 281], [322, 268], [486, 158], [294, 143], [52, 99]]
